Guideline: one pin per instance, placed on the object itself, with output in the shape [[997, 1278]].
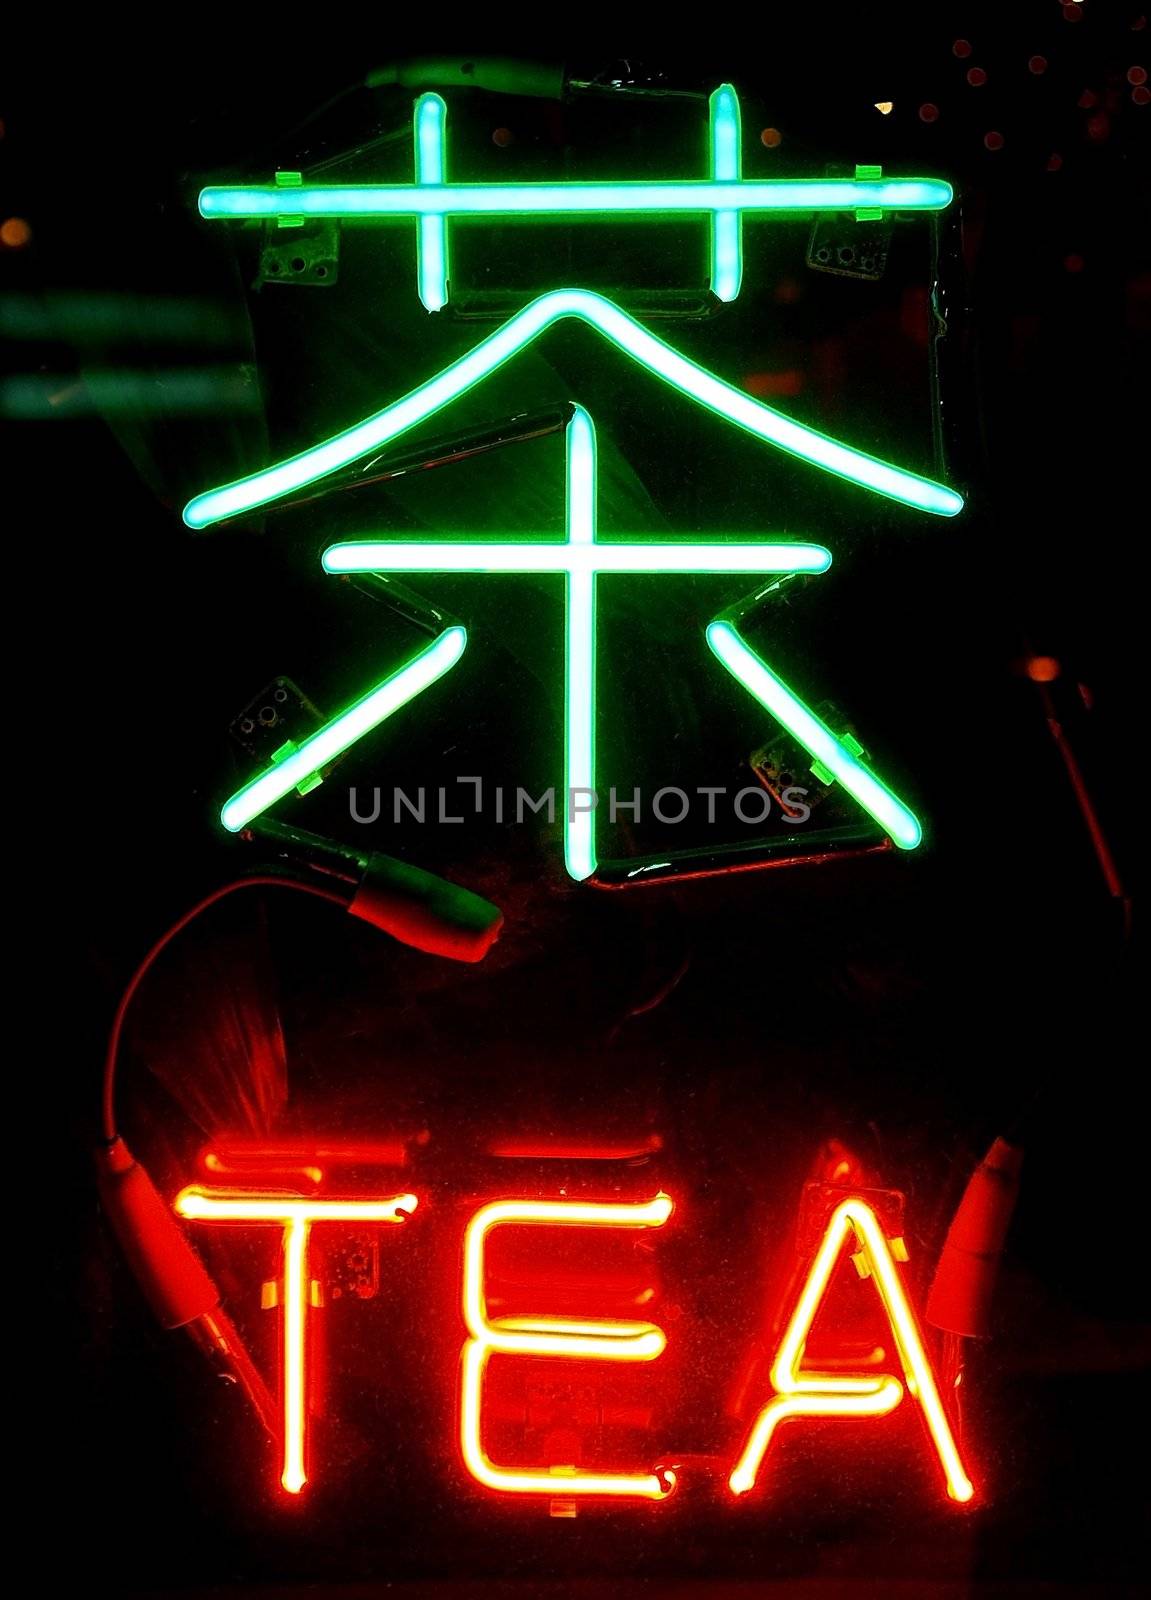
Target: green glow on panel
[[712, 392], [335, 737], [432, 240], [579, 649], [726, 163], [700, 196], [814, 735]]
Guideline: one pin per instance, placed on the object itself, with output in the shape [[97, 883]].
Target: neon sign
[[724, 198], [799, 1392]]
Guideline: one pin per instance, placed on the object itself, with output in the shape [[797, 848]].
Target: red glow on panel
[[542, 1148], [805, 1393], [296, 1214], [566, 1337], [790, 381], [234, 1155]]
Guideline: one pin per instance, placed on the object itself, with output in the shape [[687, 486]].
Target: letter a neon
[[804, 1393]]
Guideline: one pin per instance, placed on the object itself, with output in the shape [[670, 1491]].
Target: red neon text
[[800, 1391]]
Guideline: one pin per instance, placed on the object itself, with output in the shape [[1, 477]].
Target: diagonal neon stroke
[[814, 735], [714, 393], [335, 736]]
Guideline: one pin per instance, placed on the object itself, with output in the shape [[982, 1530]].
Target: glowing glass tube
[[567, 1337], [823, 1394], [335, 736], [432, 239], [295, 1215], [709, 391], [814, 735], [726, 226], [699, 196]]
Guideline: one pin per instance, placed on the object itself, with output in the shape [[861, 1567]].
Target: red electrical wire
[[264, 880]]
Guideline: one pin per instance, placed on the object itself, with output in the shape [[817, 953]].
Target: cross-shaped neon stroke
[[724, 197], [711, 392], [581, 558]]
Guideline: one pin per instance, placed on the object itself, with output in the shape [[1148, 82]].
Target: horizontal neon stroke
[[217, 1205], [696, 195], [342, 731], [814, 735], [296, 472], [526, 555]]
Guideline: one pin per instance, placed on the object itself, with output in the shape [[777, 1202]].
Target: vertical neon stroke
[[335, 736], [680, 373], [802, 1393], [580, 650], [572, 1338], [580, 558], [726, 166], [896, 819], [430, 123], [296, 1216]]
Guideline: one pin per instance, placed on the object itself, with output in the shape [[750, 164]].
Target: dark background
[[912, 1007]]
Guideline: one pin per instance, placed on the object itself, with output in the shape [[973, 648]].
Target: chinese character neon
[[724, 197]]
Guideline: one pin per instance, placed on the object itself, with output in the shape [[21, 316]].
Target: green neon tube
[[432, 240], [815, 736], [334, 737], [521, 555], [643, 347], [579, 650], [699, 196], [726, 164]]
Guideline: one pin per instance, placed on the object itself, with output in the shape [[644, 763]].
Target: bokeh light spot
[[15, 233]]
